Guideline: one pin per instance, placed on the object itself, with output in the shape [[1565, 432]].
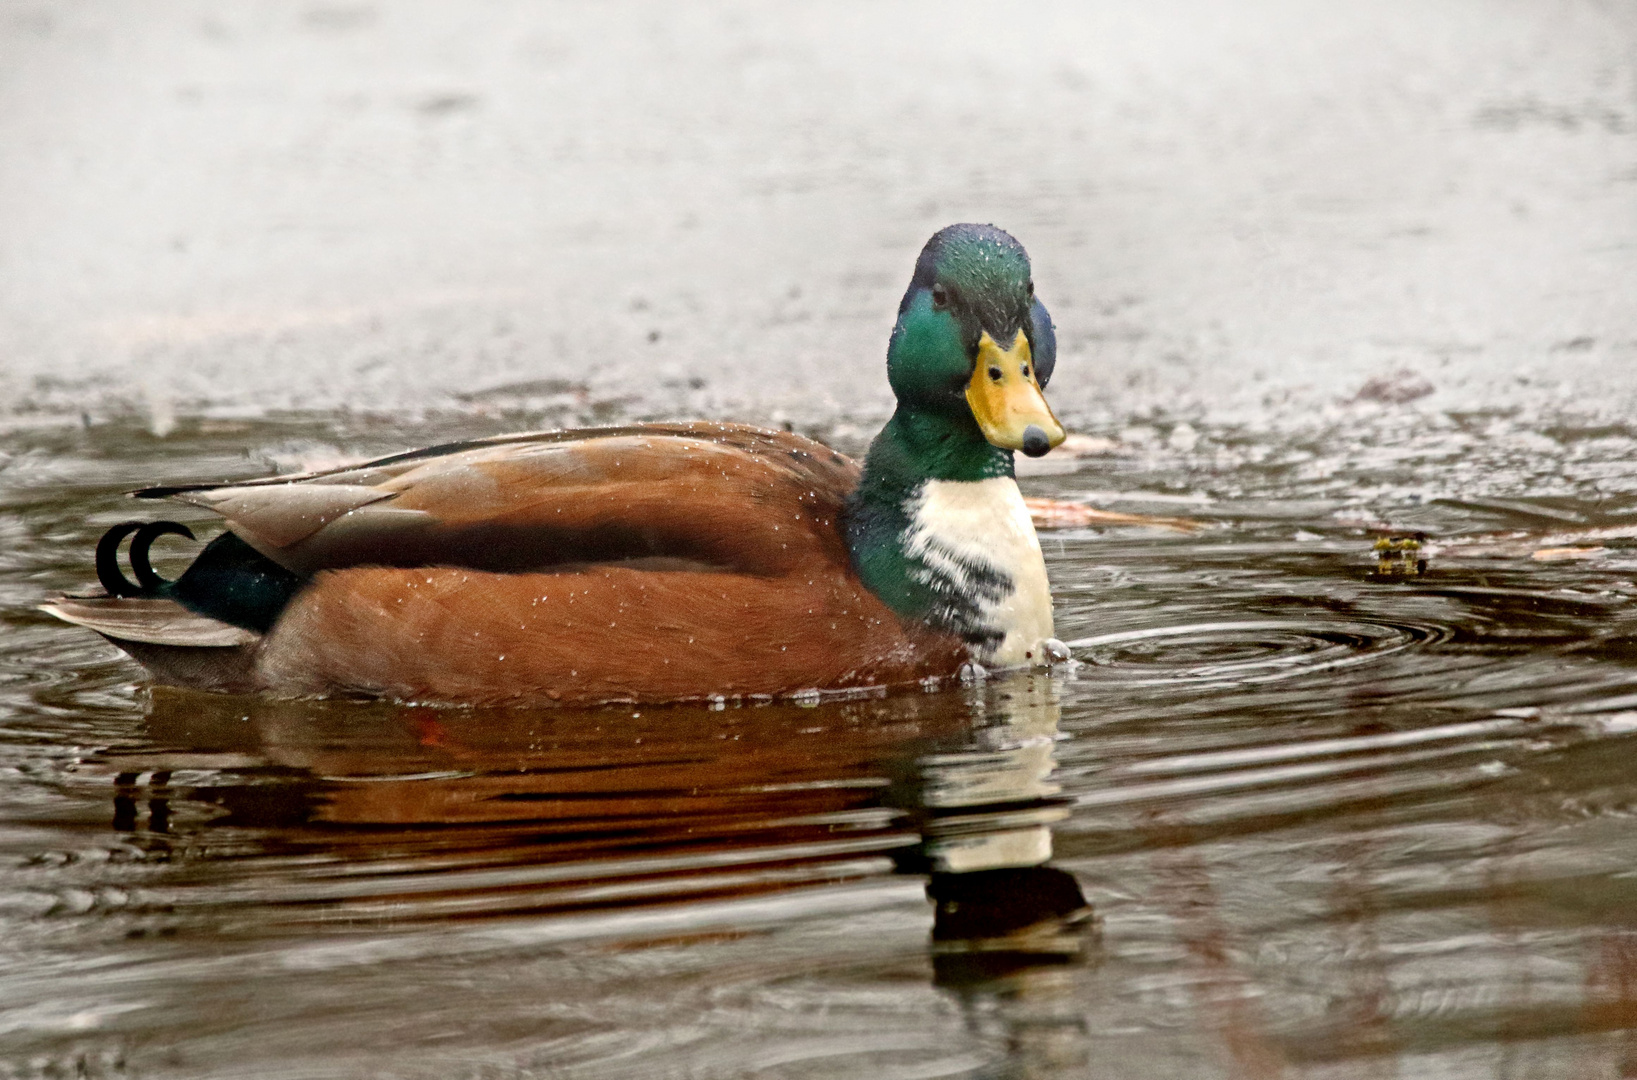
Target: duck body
[[645, 563]]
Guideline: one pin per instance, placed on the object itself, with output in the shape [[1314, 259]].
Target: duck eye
[[994, 373], [940, 297], [1025, 370]]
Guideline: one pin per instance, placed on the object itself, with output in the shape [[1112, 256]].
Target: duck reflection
[[1009, 930], [378, 811], [983, 804]]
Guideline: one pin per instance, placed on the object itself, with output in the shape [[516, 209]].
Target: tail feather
[[108, 572], [201, 630], [147, 582], [177, 646], [150, 620]]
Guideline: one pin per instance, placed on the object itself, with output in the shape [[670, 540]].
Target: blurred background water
[[1321, 272]]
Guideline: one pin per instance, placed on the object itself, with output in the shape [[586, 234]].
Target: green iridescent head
[[972, 345]]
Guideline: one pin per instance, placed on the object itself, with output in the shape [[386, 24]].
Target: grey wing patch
[[306, 527], [285, 514], [375, 534], [151, 621]]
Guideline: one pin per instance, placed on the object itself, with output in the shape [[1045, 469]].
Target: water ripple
[[1244, 651]]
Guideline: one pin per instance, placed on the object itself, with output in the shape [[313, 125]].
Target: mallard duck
[[643, 563]]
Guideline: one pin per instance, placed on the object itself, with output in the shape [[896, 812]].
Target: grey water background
[[1319, 270]]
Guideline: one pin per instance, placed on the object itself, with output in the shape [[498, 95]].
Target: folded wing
[[697, 496]]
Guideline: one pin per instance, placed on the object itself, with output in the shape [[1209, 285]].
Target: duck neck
[[917, 446], [938, 530]]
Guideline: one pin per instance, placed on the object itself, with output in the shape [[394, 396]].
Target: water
[[1289, 815]]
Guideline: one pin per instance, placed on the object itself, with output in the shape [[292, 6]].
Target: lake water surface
[[1289, 815]]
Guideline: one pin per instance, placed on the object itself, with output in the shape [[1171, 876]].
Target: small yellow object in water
[[1400, 555]]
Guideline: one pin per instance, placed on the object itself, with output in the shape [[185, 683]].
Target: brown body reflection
[[424, 810], [1611, 998], [302, 819], [396, 811]]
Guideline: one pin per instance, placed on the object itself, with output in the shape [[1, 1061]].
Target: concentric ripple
[[1244, 651]]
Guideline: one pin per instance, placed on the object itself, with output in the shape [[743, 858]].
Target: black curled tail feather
[[148, 583], [113, 579]]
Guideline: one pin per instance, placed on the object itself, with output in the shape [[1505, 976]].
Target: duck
[[641, 563]]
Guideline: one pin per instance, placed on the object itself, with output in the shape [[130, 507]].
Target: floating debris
[[1559, 554], [1062, 514], [1401, 555], [1399, 388]]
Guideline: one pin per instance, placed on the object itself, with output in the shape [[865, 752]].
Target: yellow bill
[[1006, 400]]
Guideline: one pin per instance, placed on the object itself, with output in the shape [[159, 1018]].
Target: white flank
[[985, 521]]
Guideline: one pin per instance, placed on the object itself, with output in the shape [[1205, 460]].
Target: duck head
[[973, 347], [937, 527]]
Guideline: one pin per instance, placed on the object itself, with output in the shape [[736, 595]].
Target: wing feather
[[281, 516], [711, 495]]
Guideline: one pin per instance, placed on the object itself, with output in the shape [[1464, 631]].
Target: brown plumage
[[643, 563]]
